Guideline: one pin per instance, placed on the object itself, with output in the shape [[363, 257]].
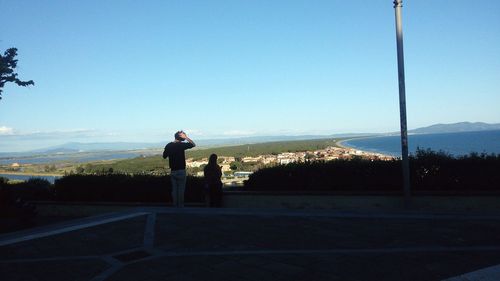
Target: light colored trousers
[[178, 179]]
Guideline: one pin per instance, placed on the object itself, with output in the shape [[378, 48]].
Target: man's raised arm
[[183, 135]]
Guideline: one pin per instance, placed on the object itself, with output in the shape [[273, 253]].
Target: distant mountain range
[[73, 147], [78, 147], [456, 128]]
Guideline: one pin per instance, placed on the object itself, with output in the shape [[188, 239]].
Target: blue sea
[[453, 143]]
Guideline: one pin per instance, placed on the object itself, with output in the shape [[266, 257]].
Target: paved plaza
[[242, 244]]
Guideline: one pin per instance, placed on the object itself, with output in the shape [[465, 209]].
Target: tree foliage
[[8, 64]]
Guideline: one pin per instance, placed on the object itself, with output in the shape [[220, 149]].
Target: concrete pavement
[[246, 244]]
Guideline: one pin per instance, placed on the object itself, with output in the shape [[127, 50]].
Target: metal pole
[[398, 4]]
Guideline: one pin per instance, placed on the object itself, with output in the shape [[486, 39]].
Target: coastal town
[[232, 166]]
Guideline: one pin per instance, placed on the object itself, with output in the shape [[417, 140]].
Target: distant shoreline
[[30, 174], [341, 144]]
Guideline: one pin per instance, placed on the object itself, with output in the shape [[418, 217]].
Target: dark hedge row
[[123, 188], [102, 188], [13, 201], [32, 189], [430, 171]]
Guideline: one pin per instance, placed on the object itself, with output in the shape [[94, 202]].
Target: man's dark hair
[[178, 136]]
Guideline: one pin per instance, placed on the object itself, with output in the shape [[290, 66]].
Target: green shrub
[[3, 181]]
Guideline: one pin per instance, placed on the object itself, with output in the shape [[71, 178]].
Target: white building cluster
[[327, 154]]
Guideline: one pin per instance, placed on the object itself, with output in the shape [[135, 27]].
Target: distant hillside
[[74, 147], [456, 128]]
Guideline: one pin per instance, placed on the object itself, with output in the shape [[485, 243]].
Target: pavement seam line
[[115, 265], [149, 231], [112, 261], [489, 273], [69, 228], [107, 273]]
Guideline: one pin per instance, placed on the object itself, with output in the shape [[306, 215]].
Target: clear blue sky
[[139, 70]]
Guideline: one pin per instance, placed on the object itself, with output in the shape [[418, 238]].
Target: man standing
[[177, 161]]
